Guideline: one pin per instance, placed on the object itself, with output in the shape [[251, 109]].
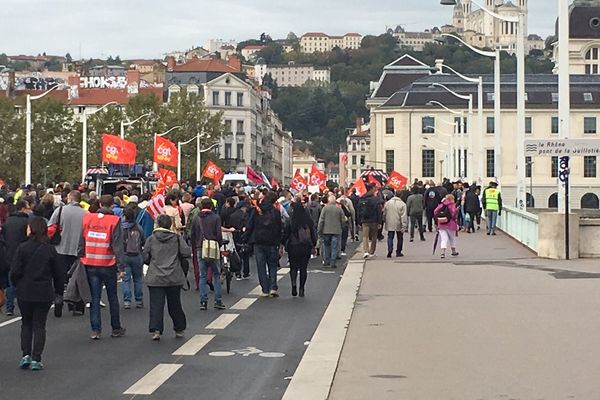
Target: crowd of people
[[65, 245]]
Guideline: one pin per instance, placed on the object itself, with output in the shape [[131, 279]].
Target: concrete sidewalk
[[493, 323]]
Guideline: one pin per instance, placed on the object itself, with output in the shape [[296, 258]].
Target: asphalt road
[[252, 357]]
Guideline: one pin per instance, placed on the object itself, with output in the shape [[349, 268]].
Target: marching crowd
[[64, 245]]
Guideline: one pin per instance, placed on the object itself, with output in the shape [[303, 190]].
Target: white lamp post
[[85, 136], [564, 101], [129, 123], [460, 127], [155, 164], [198, 153]]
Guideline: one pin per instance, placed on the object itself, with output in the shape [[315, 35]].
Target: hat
[[494, 184], [133, 199]]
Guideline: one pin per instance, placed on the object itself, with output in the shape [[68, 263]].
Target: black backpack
[[443, 215], [304, 236], [133, 241], [366, 210]]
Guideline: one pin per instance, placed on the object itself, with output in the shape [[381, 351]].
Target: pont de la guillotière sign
[[562, 147]]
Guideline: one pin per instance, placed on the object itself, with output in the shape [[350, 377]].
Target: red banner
[[212, 171], [117, 151], [274, 182], [374, 181], [397, 181], [317, 177], [298, 184], [167, 176], [165, 152], [360, 187], [254, 176]]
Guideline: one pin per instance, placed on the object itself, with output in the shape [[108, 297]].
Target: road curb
[[314, 376]]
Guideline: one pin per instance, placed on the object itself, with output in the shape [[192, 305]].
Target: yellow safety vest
[[491, 199]]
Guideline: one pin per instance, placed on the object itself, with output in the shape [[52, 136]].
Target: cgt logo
[[213, 170], [111, 150], [164, 153]]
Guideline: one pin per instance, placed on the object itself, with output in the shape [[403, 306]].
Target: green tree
[[12, 150], [105, 121]]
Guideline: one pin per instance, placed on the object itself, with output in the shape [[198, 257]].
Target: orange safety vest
[[97, 233]]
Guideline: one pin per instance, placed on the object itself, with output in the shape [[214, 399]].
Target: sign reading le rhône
[[562, 147]]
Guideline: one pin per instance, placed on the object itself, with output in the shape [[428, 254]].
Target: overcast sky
[[149, 28]]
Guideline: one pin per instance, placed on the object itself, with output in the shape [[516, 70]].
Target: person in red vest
[[102, 254]]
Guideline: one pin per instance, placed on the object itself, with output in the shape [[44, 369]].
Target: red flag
[[165, 152], [254, 176], [374, 181], [397, 181], [167, 176], [298, 184], [156, 206], [360, 187], [117, 151], [212, 171], [317, 177], [274, 182]]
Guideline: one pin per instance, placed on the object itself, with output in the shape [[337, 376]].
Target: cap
[[133, 199]]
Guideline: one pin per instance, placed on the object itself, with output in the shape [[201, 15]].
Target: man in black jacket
[[370, 218], [14, 232]]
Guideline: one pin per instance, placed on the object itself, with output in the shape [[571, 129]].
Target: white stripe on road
[[256, 291], [222, 322], [10, 321], [153, 379], [194, 345], [283, 271], [243, 304]]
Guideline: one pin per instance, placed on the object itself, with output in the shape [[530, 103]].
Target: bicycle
[[226, 274]]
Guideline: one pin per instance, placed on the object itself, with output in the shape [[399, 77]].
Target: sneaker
[[423, 239], [263, 294], [246, 277], [10, 313], [312, 256], [325, 264], [203, 306], [127, 305], [219, 305], [139, 305], [493, 233], [179, 334], [443, 256], [102, 304], [412, 240], [294, 291], [273, 293], [238, 277], [37, 366], [25, 362], [455, 254], [366, 255], [95, 335], [156, 335], [118, 332], [389, 255], [399, 255], [343, 254]]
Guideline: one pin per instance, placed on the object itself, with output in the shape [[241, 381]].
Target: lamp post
[[460, 127], [530, 165], [85, 136], [155, 164], [129, 123], [30, 98], [520, 165], [449, 165], [198, 153], [564, 102]]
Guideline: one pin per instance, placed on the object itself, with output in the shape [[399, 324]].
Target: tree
[[69, 58], [12, 132], [272, 54], [105, 121]]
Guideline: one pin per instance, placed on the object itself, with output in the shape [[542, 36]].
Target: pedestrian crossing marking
[[194, 345], [153, 379], [243, 304], [223, 321]]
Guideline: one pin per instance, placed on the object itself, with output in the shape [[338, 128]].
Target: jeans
[[216, 278], [416, 221], [157, 308], [266, 266], [96, 278], [370, 237], [134, 268], [10, 296], [33, 328], [330, 249], [344, 239], [492, 218], [390, 241]]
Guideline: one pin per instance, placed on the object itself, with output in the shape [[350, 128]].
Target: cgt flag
[[165, 152], [359, 185], [317, 177], [397, 181], [212, 171], [117, 151], [254, 176], [299, 183]]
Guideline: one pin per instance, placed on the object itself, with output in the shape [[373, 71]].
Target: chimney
[[235, 62], [358, 125], [171, 63], [133, 76], [438, 65]]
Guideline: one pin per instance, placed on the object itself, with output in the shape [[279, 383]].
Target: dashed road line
[[222, 322], [194, 345], [243, 304], [283, 271], [153, 379], [10, 321], [256, 291]]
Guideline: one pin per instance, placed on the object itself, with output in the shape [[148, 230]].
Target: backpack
[[366, 210], [443, 215], [304, 236], [133, 241]]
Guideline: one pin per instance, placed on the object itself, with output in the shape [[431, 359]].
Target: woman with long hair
[[299, 239], [39, 280]]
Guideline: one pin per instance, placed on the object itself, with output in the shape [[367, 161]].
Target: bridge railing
[[521, 225]]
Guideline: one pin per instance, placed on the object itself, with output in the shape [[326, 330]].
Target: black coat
[[36, 272], [472, 204], [14, 233]]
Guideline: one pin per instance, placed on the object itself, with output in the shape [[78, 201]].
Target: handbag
[[55, 230], [210, 250], [185, 264]]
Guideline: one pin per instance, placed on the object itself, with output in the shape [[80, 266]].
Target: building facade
[[303, 161], [291, 74], [313, 42], [415, 40], [358, 144]]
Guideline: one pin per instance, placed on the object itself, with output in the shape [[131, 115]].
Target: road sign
[[562, 147]]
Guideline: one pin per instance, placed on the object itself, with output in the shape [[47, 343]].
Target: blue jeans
[[204, 266], [96, 278], [390, 242], [344, 239], [134, 268], [266, 266], [492, 219], [330, 248], [10, 296]]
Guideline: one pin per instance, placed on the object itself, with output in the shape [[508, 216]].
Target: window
[[389, 125], [389, 161], [193, 90], [428, 163], [227, 151], [353, 174], [587, 97], [240, 126], [592, 61], [227, 98], [589, 166], [353, 160], [528, 166], [215, 98], [490, 164], [461, 128], [428, 125], [589, 125], [554, 172], [362, 160], [528, 125], [354, 146], [227, 126], [555, 97], [240, 151], [490, 97], [491, 125], [363, 146], [173, 89], [240, 99], [555, 125]]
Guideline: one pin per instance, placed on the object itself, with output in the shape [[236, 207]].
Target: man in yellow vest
[[492, 204]]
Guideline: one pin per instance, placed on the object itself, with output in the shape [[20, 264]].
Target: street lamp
[[128, 123], [198, 153], [530, 166], [85, 136], [30, 98], [520, 21], [564, 101], [155, 164], [459, 127]]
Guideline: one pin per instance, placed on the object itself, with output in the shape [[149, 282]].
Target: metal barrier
[[521, 225]]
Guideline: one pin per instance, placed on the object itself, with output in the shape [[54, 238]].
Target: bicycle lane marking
[[194, 345], [222, 321], [153, 379], [243, 304]]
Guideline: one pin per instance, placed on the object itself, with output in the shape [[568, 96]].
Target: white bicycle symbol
[[248, 351]]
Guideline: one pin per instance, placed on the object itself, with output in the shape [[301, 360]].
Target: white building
[[216, 45], [313, 42], [291, 74], [415, 40], [358, 144], [249, 52]]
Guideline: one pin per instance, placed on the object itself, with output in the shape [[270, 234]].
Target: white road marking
[[153, 379], [283, 271], [256, 291], [10, 321], [222, 322], [194, 345], [280, 277], [243, 304], [221, 354], [270, 354]]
